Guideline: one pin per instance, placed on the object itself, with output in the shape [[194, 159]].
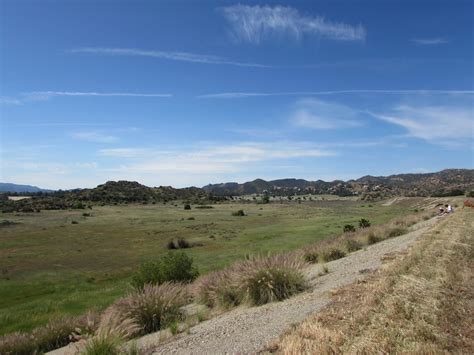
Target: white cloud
[[96, 137], [433, 123], [317, 114], [177, 56], [239, 95], [253, 24], [123, 152], [430, 41], [216, 159]]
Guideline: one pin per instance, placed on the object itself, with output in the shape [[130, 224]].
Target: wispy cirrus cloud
[[46, 95], [434, 123], [253, 24], [242, 95], [169, 55], [430, 41], [94, 136], [317, 114]]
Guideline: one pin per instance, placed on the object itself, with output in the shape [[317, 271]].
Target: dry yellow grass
[[421, 302]]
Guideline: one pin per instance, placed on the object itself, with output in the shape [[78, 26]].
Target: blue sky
[[193, 92]]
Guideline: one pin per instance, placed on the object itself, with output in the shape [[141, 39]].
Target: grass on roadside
[[422, 303]]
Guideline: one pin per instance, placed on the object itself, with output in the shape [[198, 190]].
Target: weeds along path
[[248, 330]]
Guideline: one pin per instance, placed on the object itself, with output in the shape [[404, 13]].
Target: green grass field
[[50, 267]]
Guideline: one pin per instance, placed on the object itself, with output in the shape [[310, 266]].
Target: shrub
[[372, 239], [238, 213], [204, 207], [349, 228], [171, 245], [332, 254], [191, 219], [74, 222], [187, 207], [269, 285], [364, 223], [352, 245], [311, 257], [396, 232], [183, 243], [86, 214], [156, 306], [171, 267]]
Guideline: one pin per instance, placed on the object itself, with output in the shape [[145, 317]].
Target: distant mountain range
[[446, 182], [8, 187]]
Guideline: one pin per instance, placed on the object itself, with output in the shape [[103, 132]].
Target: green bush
[[171, 267], [349, 228], [332, 254], [238, 213], [187, 207], [269, 285], [364, 223]]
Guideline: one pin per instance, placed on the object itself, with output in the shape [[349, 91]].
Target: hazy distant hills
[[446, 182], [8, 187]]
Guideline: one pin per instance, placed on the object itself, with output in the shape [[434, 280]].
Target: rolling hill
[[445, 182]]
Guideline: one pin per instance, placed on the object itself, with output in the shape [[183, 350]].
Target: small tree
[[364, 223], [187, 206]]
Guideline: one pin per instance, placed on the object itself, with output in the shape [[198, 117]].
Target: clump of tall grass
[[156, 306], [257, 281], [352, 245], [311, 257], [114, 328], [145, 311], [396, 232], [56, 334], [332, 254], [372, 238]]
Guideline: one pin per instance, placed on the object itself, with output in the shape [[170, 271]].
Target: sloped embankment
[[248, 330], [422, 303]]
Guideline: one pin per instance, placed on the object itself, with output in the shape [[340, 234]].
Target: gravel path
[[247, 330]]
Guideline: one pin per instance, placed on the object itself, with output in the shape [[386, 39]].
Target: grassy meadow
[[57, 263]]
